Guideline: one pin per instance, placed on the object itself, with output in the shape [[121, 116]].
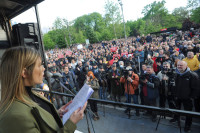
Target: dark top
[[39, 101]]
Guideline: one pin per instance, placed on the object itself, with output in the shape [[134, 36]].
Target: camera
[[125, 73], [171, 74], [169, 71], [160, 59]]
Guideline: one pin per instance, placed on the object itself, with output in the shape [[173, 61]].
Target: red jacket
[[131, 85], [155, 65]]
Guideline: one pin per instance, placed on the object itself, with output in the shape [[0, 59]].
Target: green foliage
[[106, 35], [155, 12], [181, 14], [97, 27], [58, 23], [112, 16], [193, 4], [196, 15], [48, 43], [78, 38], [91, 35]]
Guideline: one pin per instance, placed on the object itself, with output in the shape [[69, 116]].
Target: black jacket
[[186, 85]]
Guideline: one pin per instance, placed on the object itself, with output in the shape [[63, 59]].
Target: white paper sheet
[[79, 100]]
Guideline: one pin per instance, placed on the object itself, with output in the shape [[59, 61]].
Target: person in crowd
[[121, 65], [177, 55], [114, 77], [102, 83], [131, 82], [167, 83], [186, 87], [70, 68], [142, 76], [148, 38], [167, 57], [140, 53], [150, 88], [73, 63], [95, 70], [105, 62], [123, 58], [78, 71], [68, 79], [192, 62], [92, 81], [149, 60], [61, 66], [161, 53], [55, 84], [22, 110], [116, 61]]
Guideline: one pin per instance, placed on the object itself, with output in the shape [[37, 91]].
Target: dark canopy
[[11, 8]]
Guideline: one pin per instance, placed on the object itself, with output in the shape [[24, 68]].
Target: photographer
[[55, 83], [167, 80], [114, 77], [131, 82], [150, 89], [68, 79]]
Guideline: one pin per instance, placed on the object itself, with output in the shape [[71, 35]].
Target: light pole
[[120, 2]]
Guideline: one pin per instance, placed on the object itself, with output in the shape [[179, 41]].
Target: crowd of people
[[144, 69]]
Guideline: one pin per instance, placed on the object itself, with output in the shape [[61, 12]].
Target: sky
[[49, 10]]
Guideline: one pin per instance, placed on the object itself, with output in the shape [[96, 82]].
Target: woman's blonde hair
[[13, 62]]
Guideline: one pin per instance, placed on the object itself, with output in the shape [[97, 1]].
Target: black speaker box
[[26, 35]]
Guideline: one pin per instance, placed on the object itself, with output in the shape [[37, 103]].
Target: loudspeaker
[[26, 35]]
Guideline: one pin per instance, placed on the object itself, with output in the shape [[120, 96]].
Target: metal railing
[[137, 106]]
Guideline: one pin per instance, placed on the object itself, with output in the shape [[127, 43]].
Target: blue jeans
[[103, 93], [134, 97], [135, 100]]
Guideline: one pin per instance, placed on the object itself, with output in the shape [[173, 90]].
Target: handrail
[[158, 109]]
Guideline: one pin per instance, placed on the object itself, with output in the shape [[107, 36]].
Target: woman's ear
[[24, 73]]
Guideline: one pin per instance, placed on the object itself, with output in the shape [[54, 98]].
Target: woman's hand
[[62, 110], [78, 114]]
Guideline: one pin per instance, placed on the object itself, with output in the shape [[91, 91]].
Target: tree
[[48, 43], [193, 4], [155, 12], [195, 16], [112, 15], [91, 35], [58, 23], [181, 14], [97, 22]]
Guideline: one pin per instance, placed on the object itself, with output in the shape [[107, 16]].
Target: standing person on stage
[[22, 110]]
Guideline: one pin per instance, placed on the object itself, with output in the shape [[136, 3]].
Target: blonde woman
[[22, 110]]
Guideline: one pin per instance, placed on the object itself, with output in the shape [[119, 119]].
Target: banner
[[116, 55], [125, 53], [113, 49], [163, 29], [80, 46], [60, 56], [68, 53]]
